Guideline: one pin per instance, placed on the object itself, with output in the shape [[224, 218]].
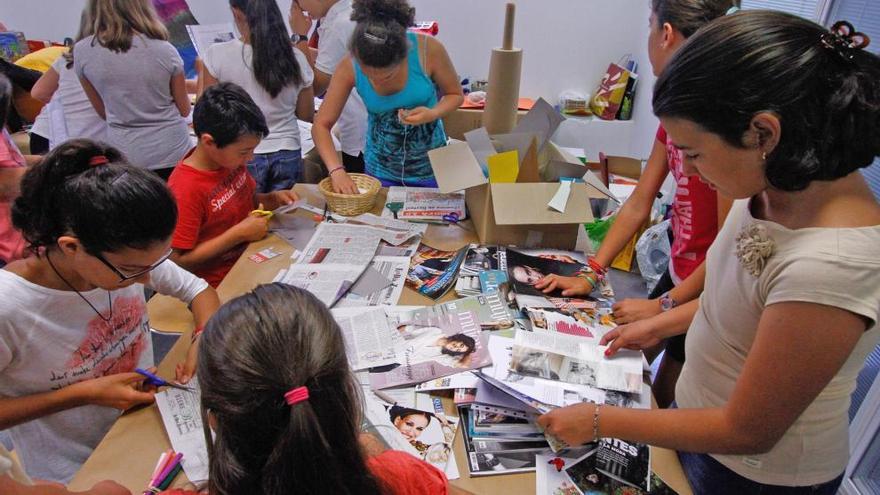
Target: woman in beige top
[[781, 119]]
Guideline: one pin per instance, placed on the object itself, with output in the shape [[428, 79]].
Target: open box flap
[[455, 167], [526, 204]]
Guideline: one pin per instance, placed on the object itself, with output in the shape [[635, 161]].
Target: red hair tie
[[296, 395], [98, 160]]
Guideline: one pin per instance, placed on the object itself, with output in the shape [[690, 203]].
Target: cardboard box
[[463, 120], [517, 213]]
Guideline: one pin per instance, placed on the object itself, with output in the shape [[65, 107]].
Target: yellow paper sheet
[[503, 167]]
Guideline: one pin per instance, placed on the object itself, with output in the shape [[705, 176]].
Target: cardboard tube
[[505, 70], [509, 18], [502, 95]]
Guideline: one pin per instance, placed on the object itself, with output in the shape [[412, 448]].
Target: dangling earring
[[764, 156]]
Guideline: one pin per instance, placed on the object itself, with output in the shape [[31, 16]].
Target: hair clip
[[296, 395], [732, 10], [844, 39], [379, 40], [98, 160]]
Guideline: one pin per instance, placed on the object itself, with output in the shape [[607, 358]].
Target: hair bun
[[383, 12]]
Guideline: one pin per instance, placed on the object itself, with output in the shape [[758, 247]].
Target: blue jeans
[[276, 171], [708, 476]]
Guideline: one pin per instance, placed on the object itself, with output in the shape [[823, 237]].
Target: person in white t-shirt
[[68, 113], [278, 78], [73, 319], [781, 120], [334, 35]]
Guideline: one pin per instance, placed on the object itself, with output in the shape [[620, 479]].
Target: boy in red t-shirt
[[215, 193]]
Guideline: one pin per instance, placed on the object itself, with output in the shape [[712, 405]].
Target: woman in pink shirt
[[12, 166]]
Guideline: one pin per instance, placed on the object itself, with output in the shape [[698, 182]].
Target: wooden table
[[128, 452]]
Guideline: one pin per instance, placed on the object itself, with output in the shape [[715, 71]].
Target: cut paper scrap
[[560, 199], [504, 167]]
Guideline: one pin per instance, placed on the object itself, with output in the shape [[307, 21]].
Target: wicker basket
[[352, 204]]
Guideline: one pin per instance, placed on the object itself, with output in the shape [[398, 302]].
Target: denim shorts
[[277, 170]]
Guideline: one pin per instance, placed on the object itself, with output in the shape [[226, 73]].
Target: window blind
[[805, 8]]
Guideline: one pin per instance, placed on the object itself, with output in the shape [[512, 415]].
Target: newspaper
[[572, 359], [369, 339], [394, 269], [182, 417], [342, 244], [205, 35], [424, 203], [326, 281]]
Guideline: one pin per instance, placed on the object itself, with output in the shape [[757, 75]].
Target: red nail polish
[[607, 352]]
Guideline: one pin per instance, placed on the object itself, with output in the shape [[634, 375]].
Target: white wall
[[567, 45]]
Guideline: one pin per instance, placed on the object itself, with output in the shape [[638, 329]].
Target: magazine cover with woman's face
[[423, 434]]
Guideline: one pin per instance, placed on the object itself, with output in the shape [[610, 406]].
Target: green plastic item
[[596, 231]]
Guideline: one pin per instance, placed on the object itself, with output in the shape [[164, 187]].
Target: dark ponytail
[[255, 349], [275, 66], [107, 206], [379, 38], [828, 104], [687, 16]]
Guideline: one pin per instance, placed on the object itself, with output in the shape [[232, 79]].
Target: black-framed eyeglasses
[[125, 277]]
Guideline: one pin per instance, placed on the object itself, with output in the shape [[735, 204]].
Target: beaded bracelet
[[596, 267], [586, 276], [596, 423]]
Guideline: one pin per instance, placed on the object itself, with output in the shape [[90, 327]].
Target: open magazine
[[433, 348], [491, 310], [576, 360]]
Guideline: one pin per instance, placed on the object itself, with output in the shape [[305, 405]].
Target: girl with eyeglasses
[[73, 318]]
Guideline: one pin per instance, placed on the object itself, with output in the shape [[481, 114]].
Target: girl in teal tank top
[[399, 76], [397, 153]]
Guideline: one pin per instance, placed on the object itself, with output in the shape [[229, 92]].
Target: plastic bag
[[596, 231], [652, 253]]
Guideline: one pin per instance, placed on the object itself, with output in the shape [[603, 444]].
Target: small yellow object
[[503, 167], [262, 213]]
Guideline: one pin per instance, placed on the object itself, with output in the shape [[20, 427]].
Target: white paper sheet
[[181, 414], [369, 339]]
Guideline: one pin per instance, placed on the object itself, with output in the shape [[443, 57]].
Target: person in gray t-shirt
[[135, 80]]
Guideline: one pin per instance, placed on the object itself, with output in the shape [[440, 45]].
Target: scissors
[[158, 382], [262, 213], [452, 218], [394, 207]]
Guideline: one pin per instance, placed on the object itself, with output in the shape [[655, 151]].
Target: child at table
[[215, 193], [398, 75], [73, 320], [277, 76], [781, 120], [284, 408]]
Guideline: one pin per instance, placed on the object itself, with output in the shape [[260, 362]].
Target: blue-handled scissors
[[158, 382], [451, 218]]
